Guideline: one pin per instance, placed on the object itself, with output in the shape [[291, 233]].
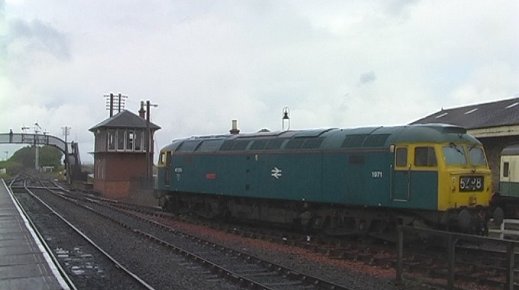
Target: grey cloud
[[36, 36], [367, 77], [397, 7]]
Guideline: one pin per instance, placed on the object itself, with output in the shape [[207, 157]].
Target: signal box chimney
[[142, 111]]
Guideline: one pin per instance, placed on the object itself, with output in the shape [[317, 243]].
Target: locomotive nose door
[[400, 181]]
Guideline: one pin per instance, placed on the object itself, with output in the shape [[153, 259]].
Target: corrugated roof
[[124, 119], [486, 115]]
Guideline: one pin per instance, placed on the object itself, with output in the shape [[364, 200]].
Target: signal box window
[[138, 140], [401, 157], [424, 156], [111, 139], [130, 138], [120, 139]]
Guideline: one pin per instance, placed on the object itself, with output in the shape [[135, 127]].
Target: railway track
[[242, 268], [477, 265], [158, 266], [212, 261], [82, 263], [481, 265]]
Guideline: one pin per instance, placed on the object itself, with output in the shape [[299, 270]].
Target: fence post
[[510, 254], [400, 254]]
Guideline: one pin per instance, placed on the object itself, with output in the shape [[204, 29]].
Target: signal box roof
[[124, 119]]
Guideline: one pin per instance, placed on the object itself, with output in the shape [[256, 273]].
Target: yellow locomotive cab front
[[464, 179]]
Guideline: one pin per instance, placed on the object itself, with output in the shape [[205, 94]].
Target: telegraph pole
[[149, 143], [36, 147], [120, 99], [66, 132]]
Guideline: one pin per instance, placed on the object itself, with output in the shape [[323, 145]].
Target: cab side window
[[161, 158], [424, 156], [401, 157]]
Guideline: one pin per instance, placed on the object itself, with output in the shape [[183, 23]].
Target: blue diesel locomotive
[[336, 180]]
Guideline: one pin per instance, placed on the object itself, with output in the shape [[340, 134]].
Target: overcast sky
[[333, 63]]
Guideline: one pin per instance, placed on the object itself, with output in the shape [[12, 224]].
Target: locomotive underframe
[[332, 219]]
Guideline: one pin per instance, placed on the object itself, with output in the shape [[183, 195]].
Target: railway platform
[[24, 262]]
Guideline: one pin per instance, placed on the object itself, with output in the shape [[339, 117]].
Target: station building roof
[[124, 119], [500, 118]]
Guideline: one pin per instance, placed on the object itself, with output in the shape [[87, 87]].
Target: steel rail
[[62, 272], [117, 263], [295, 275], [219, 269]]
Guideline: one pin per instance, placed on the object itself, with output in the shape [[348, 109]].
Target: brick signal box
[[123, 154]]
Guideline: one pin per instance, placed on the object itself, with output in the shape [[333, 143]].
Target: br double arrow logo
[[276, 172]]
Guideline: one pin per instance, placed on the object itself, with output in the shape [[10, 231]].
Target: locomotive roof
[[333, 138]]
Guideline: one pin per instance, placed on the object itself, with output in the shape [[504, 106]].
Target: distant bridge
[[70, 150]]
